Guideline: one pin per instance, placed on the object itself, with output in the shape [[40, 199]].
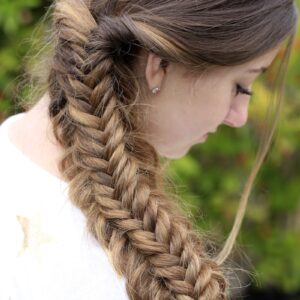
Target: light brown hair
[[115, 176]]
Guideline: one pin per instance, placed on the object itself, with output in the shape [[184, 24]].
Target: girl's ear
[[154, 70]]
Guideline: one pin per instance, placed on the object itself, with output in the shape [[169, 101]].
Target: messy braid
[[114, 174], [157, 252]]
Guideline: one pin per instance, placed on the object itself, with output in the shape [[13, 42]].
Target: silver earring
[[155, 90]]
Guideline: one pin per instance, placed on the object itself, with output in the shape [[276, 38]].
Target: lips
[[205, 136], [202, 138]]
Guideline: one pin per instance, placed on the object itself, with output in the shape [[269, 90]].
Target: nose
[[237, 115]]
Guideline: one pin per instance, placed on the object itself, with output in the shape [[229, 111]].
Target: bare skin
[[173, 125], [32, 134]]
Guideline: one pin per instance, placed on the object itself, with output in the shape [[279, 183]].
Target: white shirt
[[46, 252]]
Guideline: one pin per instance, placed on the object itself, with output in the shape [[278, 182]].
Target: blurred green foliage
[[211, 177], [18, 19]]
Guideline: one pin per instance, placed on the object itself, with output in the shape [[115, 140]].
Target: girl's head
[[187, 108], [107, 57]]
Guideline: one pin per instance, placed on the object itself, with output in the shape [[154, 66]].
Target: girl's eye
[[242, 90]]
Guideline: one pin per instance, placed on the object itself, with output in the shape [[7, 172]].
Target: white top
[[46, 251]]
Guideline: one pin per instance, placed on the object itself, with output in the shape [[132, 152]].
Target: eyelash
[[243, 90]]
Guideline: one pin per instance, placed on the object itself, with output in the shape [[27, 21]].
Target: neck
[[35, 136]]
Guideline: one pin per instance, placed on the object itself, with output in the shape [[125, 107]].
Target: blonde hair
[[115, 176]]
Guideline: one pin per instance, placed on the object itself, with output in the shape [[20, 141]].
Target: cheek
[[185, 112], [210, 108], [169, 117], [179, 120], [176, 111]]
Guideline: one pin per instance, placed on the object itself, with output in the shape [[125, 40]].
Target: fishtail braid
[[152, 244]]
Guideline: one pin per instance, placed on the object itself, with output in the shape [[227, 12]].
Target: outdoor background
[[211, 177]]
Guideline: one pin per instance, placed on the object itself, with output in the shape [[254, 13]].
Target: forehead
[[217, 72], [263, 60]]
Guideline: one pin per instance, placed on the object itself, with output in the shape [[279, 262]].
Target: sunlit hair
[[115, 176]]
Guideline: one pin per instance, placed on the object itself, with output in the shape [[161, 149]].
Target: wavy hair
[[115, 176]]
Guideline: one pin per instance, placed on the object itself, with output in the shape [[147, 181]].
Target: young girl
[[84, 214]]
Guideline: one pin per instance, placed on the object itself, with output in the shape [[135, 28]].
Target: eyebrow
[[261, 70]]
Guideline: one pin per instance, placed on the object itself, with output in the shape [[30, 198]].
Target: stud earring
[[155, 90]]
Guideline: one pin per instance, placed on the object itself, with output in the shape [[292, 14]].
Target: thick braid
[[151, 242]]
